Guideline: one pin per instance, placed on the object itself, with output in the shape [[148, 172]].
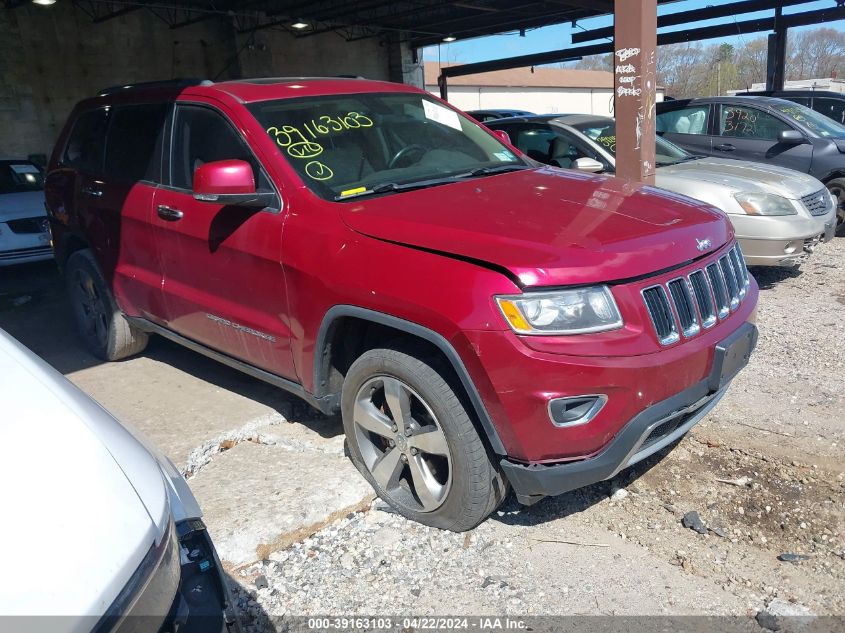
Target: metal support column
[[442, 83], [635, 82], [776, 62]]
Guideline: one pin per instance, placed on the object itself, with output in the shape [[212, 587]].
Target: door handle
[[94, 193], [169, 213], [725, 147]]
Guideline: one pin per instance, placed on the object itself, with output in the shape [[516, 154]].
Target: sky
[[559, 36]]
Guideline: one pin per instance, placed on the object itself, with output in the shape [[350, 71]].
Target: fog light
[[791, 247], [575, 410]]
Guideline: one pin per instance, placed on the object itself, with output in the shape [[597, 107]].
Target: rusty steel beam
[[693, 15], [635, 88]]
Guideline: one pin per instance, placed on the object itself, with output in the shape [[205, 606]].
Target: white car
[[24, 230], [97, 527]]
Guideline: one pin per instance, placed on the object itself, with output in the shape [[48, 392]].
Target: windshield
[[812, 120], [20, 175], [346, 145], [604, 134]]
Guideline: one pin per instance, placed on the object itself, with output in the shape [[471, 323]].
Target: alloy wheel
[[402, 444]]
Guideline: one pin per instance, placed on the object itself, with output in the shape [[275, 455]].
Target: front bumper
[[179, 587], [23, 248], [648, 432], [781, 240], [203, 602]]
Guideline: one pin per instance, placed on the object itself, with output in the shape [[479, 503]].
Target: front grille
[[703, 298], [28, 225], [817, 203], [687, 316], [698, 300], [730, 280], [661, 314]]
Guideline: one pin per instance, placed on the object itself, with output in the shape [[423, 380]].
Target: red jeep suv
[[480, 322]]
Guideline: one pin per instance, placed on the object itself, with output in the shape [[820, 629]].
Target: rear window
[[133, 148], [19, 175], [86, 146]]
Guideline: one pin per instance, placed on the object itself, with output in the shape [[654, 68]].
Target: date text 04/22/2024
[[479, 623]]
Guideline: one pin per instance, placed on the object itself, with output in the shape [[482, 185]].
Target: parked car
[[479, 321], [763, 130], [24, 230], [482, 116], [779, 214], [100, 529], [829, 103]]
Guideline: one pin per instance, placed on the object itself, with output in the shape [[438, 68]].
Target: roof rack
[[274, 80], [147, 85]]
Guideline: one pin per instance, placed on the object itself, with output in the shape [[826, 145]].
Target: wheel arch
[[368, 328], [67, 246]]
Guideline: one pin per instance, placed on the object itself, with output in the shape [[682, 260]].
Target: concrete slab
[[259, 498]]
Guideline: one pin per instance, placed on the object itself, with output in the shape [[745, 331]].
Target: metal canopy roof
[[427, 22], [422, 22]]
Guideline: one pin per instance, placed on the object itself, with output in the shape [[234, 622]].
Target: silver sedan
[[779, 214]]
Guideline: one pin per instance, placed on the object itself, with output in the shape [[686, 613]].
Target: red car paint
[[435, 258]]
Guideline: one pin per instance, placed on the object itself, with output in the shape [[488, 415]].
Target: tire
[[837, 188], [104, 329], [448, 479]]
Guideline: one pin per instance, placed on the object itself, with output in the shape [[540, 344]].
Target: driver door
[[222, 275], [748, 133]]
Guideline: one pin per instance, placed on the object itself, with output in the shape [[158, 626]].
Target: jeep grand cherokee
[[479, 321]]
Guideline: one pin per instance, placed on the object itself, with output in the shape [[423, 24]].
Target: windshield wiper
[[392, 187], [496, 169]]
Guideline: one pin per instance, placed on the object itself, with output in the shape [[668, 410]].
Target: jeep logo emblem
[[703, 245]]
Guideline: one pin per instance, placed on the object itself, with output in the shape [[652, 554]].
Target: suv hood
[[547, 226], [86, 501], [744, 176]]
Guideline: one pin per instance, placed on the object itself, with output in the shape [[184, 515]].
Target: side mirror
[[504, 136], [589, 165], [791, 137], [230, 183]]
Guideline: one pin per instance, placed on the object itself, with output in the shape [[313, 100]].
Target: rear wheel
[[837, 188], [412, 439], [101, 324]]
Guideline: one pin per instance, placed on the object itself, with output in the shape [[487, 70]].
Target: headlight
[[575, 311], [764, 204]]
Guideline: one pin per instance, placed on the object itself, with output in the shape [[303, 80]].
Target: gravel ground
[[763, 473]]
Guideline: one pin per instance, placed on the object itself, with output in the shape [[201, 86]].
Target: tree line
[[694, 69]]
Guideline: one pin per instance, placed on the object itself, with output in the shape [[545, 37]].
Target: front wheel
[[837, 188], [412, 439]]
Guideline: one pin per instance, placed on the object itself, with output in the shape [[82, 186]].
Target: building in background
[[831, 84], [540, 90]]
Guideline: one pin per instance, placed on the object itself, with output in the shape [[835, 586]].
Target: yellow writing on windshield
[[295, 139], [608, 142]]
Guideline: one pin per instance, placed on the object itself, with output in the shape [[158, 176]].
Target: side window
[[691, 120], [833, 108], [743, 122], [85, 147], [536, 142], [201, 135], [133, 143]]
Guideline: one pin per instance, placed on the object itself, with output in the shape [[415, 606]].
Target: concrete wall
[[51, 57], [539, 100]]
